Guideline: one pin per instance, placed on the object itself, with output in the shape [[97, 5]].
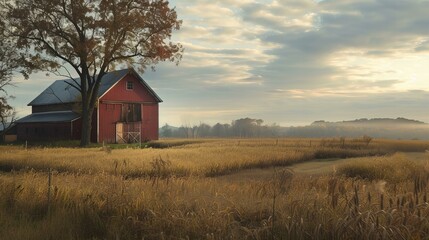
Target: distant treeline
[[243, 128], [399, 128]]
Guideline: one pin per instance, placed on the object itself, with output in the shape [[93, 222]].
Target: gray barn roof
[[60, 116], [61, 92]]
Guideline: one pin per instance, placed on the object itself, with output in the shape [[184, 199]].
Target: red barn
[[127, 111]]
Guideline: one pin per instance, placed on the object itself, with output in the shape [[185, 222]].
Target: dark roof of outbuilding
[[59, 116], [61, 92]]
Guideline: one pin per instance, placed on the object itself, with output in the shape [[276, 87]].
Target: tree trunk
[[85, 139], [88, 107], [89, 102]]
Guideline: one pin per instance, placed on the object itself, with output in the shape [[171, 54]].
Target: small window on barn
[[130, 85]]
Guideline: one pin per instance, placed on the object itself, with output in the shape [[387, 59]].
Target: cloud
[[294, 15], [423, 46], [292, 61], [367, 29], [304, 59]]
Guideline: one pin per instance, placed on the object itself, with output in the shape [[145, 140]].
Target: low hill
[[399, 128]]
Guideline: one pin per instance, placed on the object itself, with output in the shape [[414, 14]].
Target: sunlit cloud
[[291, 62]]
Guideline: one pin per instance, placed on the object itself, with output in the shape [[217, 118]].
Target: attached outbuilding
[[8, 134], [127, 111]]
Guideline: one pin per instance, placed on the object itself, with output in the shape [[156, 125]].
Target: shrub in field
[[395, 168], [323, 153], [403, 145]]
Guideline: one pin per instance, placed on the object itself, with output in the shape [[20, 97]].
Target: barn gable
[[139, 92]]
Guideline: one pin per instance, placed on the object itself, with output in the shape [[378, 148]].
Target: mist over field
[[399, 128]]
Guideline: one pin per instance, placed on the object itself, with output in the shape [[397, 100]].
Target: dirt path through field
[[316, 167]]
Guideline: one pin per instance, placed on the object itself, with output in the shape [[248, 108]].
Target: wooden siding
[[55, 130], [77, 129], [150, 123], [94, 126], [52, 107], [44, 131], [109, 114], [10, 138]]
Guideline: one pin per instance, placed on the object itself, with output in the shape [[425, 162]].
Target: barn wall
[[150, 123], [109, 115], [94, 126], [76, 129], [43, 131], [51, 108], [10, 138]]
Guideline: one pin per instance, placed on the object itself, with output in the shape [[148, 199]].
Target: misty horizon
[[342, 121], [388, 128]]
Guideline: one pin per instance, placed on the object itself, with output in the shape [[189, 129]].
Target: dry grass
[[211, 157], [110, 207], [141, 193], [186, 161], [394, 169]]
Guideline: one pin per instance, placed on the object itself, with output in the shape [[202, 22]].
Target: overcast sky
[[289, 62]]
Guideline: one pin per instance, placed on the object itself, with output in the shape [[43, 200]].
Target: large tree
[[10, 59], [9, 63], [91, 37], [7, 117]]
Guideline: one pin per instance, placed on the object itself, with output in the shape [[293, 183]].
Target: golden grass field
[[217, 189]]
